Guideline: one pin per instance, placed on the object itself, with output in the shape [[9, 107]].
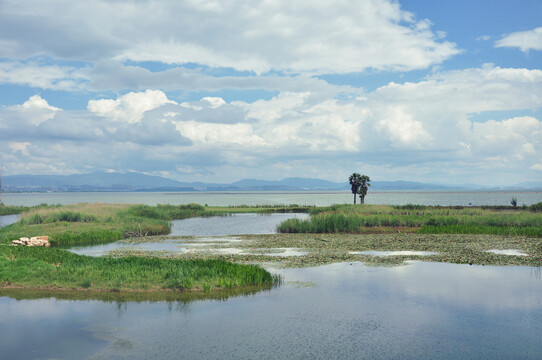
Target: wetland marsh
[[419, 310], [382, 291]]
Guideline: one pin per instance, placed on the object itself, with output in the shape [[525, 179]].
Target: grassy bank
[[102, 223], [52, 268], [11, 210], [96, 223], [335, 234], [424, 219]]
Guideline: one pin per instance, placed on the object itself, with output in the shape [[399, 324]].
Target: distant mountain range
[[100, 181]]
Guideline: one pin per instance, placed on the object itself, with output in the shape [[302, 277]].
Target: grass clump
[[51, 268], [536, 207], [97, 223], [11, 210], [425, 219]]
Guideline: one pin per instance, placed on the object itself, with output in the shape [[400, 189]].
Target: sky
[[445, 92]]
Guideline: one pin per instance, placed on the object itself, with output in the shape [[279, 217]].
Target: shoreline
[[389, 229]]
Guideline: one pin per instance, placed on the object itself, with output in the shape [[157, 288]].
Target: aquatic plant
[[354, 219], [11, 210], [57, 268]]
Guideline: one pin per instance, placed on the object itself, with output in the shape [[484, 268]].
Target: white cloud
[[21, 147], [467, 91], [35, 110], [279, 106], [418, 129], [214, 102], [217, 135], [402, 130], [516, 138], [41, 76], [305, 37], [130, 107], [524, 40]]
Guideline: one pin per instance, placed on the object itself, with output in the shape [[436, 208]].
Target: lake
[[339, 311], [458, 198]]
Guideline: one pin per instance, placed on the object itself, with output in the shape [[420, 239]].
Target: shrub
[[536, 207]]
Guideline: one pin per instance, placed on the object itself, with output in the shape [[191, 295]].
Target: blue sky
[[433, 91]]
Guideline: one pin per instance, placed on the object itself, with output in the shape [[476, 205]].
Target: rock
[[33, 241]]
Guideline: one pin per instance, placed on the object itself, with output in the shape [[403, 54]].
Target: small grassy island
[[55, 268], [332, 234]]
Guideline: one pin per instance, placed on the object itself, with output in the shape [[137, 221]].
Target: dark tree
[[363, 188], [355, 183]]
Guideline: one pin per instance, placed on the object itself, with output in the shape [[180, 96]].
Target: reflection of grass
[[174, 297], [301, 284]]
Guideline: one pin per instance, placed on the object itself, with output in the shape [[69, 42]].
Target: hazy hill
[[96, 179], [100, 181]]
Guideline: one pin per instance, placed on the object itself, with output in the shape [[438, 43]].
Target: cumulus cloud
[[403, 130], [305, 37], [520, 137], [130, 107], [428, 124], [524, 40], [32, 112]]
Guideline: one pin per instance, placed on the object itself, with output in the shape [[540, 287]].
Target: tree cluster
[[359, 185]]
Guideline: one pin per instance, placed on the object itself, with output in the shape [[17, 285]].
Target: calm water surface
[[6, 220], [235, 224], [463, 198], [339, 311]]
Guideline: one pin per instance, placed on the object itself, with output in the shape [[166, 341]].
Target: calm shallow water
[[235, 224], [339, 311], [6, 220], [460, 198], [100, 250]]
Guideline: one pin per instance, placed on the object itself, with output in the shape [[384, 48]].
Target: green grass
[[340, 226], [96, 223], [425, 219], [51, 268], [11, 210], [102, 223]]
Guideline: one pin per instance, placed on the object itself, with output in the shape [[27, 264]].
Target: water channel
[[341, 311], [6, 220]]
